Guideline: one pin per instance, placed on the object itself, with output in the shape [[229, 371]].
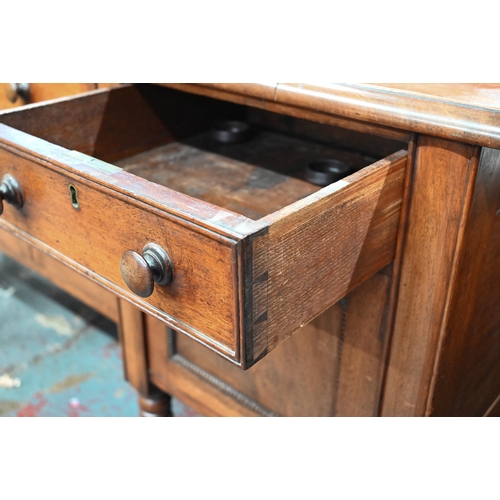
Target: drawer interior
[[254, 178], [165, 136]]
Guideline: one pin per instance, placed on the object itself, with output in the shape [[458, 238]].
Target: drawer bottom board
[[254, 178]]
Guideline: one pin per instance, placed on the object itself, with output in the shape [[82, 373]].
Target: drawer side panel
[[320, 248]]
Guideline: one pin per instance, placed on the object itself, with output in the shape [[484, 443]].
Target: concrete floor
[[57, 356]]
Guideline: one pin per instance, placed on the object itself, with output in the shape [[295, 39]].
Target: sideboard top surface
[[478, 95]]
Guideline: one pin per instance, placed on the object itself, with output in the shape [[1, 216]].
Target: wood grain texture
[[200, 390], [362, 359], [85, 290], [428, 115], [255, 90], [363, 211], [296, 257], [398, 256], [133, 334], [131, 329], [435, 220], [468, 113], [232, 181], [332, 366], [474, 116], [254, 178], [111, 124], [467, 374], [257, 96], [323, 246], [201, 239], [93, 245], [362, 144], [479, 95], [46, 91]]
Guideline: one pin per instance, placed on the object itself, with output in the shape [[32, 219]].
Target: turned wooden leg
[[132, 328], [156, 404]]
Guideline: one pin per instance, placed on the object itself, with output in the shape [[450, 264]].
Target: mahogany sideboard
[[240, 287]]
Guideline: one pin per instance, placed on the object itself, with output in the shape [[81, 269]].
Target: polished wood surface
[[137, 273], [133, 343], [332, 367], [357, 147], [466, 379], [466, 114], [252, 96], [372, 197], [41, 92], [416, 337], [244, 178], [132, 331], [324, 246], [317, 244], [76, 284], [94, 246], [155, 405], [45, 91], [112, 125], [478, 95], [438, 206]]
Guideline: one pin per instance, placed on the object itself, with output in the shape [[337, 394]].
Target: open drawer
[[253, 250]]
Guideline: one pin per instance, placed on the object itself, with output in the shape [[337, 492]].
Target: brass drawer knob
[[11, 192], [141, 272], [14, 91]]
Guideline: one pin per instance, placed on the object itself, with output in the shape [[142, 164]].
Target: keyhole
[[74, 196]]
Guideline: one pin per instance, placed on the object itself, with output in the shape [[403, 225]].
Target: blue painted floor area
[[57, 356]]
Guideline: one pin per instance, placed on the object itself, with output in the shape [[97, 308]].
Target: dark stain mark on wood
[[262, 277], [261, 318]]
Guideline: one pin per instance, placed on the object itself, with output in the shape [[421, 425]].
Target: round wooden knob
[[11, 192], [14, 91], [141, 272]]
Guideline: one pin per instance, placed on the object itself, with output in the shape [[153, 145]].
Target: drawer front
[[199, 301], [13, 97], [9, 97]]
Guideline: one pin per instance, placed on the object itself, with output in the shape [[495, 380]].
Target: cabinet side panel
[[467, 378]]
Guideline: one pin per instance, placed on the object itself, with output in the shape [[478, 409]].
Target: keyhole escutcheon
[[73, 193]]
